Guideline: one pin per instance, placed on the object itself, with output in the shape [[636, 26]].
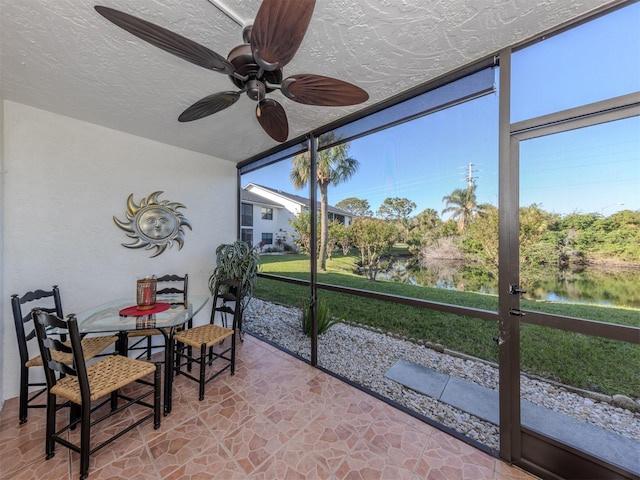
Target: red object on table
[[135, 312]]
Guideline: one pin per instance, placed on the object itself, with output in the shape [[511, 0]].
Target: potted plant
[[239, 261]]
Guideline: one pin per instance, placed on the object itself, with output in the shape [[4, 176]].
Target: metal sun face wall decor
[[154, 223]]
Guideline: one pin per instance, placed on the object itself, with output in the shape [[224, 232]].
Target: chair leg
[[189, 349], [177, 353], [50, 444], [180, 347], [85, 436], [24, 393], [122, 345], [74, 414], [203, 356], [233, 353], [156, 396], [148, 348]]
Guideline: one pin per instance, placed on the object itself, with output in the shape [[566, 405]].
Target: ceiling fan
[[255, 66]]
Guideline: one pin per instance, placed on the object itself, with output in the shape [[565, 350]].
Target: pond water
[[614, 287]]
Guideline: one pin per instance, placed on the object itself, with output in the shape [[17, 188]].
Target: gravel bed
[[364, 355]]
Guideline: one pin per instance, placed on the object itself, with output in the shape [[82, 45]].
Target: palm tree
[[462, 204], [334, 166]]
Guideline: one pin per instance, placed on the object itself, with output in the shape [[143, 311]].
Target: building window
[[246, 217], [267, 238], [246, 235], [266, 213], [336, 217]]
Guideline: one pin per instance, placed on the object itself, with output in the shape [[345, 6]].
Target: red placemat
[[135, 312]]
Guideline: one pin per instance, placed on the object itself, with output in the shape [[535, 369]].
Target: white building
[[265, 215]]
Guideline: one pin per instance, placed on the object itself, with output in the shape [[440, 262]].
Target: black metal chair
[[101, 382], [226, 301], [176, 293], [48, 301]]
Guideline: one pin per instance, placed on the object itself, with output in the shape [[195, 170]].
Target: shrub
[[325, 320]]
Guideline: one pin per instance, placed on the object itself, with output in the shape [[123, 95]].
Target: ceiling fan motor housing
[[244, 64]]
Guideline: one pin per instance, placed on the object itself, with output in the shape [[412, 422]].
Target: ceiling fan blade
[[168, 41], [209, 105], [272, 119], [279, 28], [323, 91]]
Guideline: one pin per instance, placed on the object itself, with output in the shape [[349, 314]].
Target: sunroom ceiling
[[61, 56]]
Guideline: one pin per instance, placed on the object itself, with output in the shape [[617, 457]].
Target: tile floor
[[277, 418]]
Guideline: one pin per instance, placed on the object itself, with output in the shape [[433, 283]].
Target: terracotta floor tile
[[27, 449], [504, 471], [294, 461], [276, 418], [227, 416], [398, 443], [329, 440], [367, 465], [56, 467], [136, 464], [180, 444], [254, 442]]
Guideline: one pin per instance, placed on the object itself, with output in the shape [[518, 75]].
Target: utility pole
[[470, 178]]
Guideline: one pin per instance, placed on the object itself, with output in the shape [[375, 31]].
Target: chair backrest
[[227, 301], [45, 300], [176, 289], [43, 321]]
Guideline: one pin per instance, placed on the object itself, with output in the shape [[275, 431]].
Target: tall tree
[[334, 166], [424, 228], [462, 204], [302, 226], [356, 207], [373, 237], [397, 210]]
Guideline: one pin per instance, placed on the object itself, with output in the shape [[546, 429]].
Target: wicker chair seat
[[207, 335], [105, 376], [91, 346], [146, 332]]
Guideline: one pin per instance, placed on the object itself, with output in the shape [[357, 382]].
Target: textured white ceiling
[[61, 56]]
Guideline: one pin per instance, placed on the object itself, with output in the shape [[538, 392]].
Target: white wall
[[65, 180], [279, 222], [3, 302]]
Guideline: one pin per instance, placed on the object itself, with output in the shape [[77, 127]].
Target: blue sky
[[596, 169]]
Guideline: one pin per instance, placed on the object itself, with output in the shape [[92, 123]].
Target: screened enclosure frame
[[463, 85]]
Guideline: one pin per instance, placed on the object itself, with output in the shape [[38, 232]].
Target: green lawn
[[579, 360]]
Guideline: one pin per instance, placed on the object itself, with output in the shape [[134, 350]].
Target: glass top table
[[106, 318]]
